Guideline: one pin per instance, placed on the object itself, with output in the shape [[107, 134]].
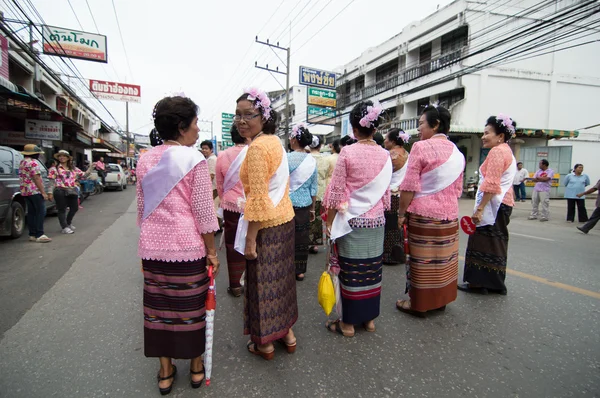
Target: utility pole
[[128, 134], [287, 79]]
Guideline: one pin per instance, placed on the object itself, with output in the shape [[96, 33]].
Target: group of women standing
[[268, 200]]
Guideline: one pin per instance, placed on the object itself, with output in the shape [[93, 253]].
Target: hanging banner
[[116, 91], [74, 44], [43, 130]]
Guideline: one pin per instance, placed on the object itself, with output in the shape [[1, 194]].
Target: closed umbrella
[[211, 304]]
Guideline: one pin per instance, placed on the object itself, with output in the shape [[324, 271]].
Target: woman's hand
[[401, 221], [328, 229], [312, 216], [477, 216], [214, 261], [250, 252]]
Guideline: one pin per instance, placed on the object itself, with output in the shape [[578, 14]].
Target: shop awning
[[548, 133]]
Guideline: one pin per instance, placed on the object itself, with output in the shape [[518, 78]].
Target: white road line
[[532, 237]]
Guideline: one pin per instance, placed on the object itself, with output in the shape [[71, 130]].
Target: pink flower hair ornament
[[260, 100], [296, 130], [405, 136], [507, 122], [372, 115]]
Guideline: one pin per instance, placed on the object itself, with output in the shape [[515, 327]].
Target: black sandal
[[337, 329], [197, 384], [235, 291], [165, 391]]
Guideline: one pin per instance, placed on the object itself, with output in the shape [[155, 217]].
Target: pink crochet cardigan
[[173, 231]]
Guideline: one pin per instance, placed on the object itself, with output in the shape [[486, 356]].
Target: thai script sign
[[226, 122], [116, 91], [317, 78], [318, 115], [43, 130], [74, 44], [4, 57], [15, 138], [318, 96]]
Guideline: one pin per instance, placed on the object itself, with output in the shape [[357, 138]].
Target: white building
[[548, 95]]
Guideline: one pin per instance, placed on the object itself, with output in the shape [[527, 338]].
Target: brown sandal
[[402, 307], [337, 329], [253, 349], [290, 348]]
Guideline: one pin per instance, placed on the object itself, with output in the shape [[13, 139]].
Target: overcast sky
[[207, 50]]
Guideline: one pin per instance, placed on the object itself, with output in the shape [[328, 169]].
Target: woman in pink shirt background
[[176, 242], [230, 203], [432, 219]]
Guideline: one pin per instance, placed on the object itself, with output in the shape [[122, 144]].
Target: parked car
[[12, 205], [115, 177]]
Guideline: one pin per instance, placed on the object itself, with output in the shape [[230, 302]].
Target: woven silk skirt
[[487, 250], [393, 235], [236, 262], [270, 306], [360, 254], [174, 308], [301, 218], [433, 268]]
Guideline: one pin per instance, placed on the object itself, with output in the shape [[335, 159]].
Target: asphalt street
[[74, 324]]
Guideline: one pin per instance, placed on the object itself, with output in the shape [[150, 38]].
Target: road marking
[[545, 281], [532, 237]]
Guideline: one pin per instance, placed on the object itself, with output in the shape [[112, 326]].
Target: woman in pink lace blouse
[[356, 199], [487, 249], [231, 195], [177, 221], [430, 192]]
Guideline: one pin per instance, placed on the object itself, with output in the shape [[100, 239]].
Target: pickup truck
[[115, 177], [12, 204]]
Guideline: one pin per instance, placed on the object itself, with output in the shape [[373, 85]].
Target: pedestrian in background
[[519, 182], [541, 192], [32, 189], [394, 143], [430, 192], [231, 196], [487, 249], [303, 193], [101, 170], [575, 183], [596, 214], [316, 226], [177, 223], [63, 181], [211, 159], [355, 201], [270, 305]]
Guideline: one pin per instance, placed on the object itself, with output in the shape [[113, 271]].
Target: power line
[[92, 15], [72, 9], [122, 41], [324, 26]]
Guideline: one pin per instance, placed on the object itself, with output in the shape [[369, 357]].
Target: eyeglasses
[[238, 118]]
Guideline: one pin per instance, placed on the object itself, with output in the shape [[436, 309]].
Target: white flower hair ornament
[[372, 115], [315, 142], [507, 122], [260, 100]]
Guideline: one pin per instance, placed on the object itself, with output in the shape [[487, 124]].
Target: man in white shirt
[[519, 182], [206, 147]]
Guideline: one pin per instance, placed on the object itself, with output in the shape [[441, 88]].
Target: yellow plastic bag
[[326, 293]]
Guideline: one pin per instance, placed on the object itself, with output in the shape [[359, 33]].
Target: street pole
[[127, 131], [287, 80]]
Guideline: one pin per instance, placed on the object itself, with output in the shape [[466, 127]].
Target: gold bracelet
[[211, 256]]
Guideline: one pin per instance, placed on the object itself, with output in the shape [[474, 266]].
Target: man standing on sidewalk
[[101, 170], [541, 191], [596, 214], [32, 189], [519, 182]]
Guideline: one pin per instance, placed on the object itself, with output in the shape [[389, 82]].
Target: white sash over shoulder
[[490, 211], [362, 200], [232, 177], [442, 176], [398, 176], [277, 190], [175, 163], [302, 173]]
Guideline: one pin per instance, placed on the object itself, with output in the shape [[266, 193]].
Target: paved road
[[83, 338]]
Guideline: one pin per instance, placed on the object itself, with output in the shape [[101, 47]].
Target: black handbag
[[69, 191]]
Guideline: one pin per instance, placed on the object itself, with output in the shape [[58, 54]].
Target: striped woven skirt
[[301, 218], [270, 306], [360, 254], [316, 227], [393, 234], [433, 268], [487, 250], [236, 262], [174, 308]]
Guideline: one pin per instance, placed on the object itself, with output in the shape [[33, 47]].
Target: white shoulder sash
[[362, 200], [277, 190], [232, 177], [398, 176], [302, 173], [442, 176], [175, 163], [490, 211]]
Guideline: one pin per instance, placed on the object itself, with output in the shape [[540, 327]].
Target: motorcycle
[[89, 187], [472, 185]]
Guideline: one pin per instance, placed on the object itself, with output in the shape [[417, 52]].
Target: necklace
[[174, 142], [367, 140]]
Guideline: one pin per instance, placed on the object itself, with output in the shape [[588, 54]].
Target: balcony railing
[[403, 124], [400, 78]]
